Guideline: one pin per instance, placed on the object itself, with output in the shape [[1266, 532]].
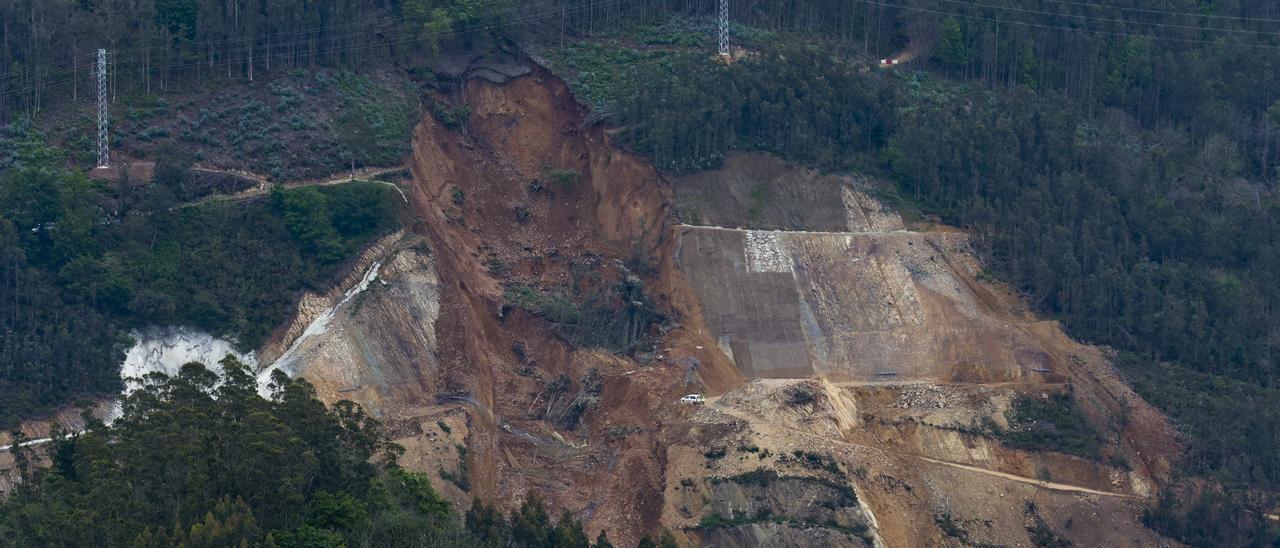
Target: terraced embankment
[[891, 447], [920, 363], [884, 367]]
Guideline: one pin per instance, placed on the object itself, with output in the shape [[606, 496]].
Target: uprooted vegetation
[[800, 396], [815, 461], [840, 493], [462, 476], [1041, 534], [954, 528], [618, 317], [566, 408]]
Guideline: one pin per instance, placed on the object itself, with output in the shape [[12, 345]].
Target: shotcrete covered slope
[[874, 302], [527, 194], [854, 306], [922, 355]]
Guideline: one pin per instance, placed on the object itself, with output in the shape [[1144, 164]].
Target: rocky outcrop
[[166, 349], [312, 305], [378, 347], [488, 397]]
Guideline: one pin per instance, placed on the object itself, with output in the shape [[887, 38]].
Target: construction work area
[[884, 360], [875, 302], [862, 379]]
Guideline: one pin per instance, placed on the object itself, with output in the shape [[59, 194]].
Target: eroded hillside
[[459, 347], [537, 338], [533, 330], [922, 368]]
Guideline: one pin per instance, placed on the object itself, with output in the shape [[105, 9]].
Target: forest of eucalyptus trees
[[1185, 62], [48, 47]]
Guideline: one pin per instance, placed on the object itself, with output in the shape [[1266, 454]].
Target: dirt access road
[[264, 185], [735, 413]]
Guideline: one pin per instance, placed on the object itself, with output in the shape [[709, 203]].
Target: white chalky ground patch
[[167, 349]]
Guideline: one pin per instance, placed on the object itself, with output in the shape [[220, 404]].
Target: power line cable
[[883, 3], [1104, 19], [61, 77], [138, 52], [1167, 12], [339, 48]]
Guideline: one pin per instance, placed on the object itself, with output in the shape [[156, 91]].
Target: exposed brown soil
[[494, 201], [928, 353], [525, 192], [519, 144], [760, 191]]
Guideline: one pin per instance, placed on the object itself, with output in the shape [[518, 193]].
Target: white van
[[693, 399]]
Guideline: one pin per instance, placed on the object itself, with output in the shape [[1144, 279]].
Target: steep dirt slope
[[883, 365], [527, 194], [888, 358], [488, 397]]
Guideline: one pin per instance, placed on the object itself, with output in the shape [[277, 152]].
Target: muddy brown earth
[[527, 194], [903, 353], [854, 364]]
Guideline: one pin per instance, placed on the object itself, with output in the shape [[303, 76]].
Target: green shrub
[[565, 179], [376, 120], [1053, 423]]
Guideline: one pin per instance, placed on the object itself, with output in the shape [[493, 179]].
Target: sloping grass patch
[[376, 119], [1053, 423]]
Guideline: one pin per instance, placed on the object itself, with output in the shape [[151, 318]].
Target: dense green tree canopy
[[203, 460], [84, 262]]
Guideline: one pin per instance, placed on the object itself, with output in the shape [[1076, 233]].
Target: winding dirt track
[[735, 413], [264, 185], [1038, 483]]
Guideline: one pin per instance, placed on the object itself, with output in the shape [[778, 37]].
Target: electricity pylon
[[104, 156], [724, 28]]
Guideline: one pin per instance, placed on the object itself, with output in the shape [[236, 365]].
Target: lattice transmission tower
[[724, 28], [104, 156]]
